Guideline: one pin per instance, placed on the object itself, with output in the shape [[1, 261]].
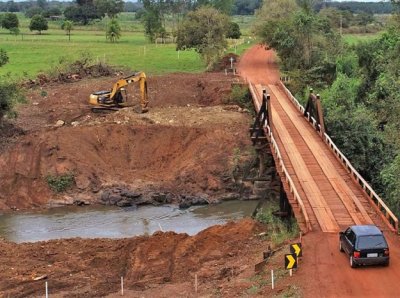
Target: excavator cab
[[117, 97]]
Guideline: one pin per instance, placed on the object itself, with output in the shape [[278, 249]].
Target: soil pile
[[184, 146], [92, 268]]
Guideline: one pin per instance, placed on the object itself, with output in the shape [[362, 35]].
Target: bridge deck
[[316, 181], [332, 199]]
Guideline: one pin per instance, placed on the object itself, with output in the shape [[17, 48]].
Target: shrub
[[240, 95], [60, 183], [278, 230], [10, 94]]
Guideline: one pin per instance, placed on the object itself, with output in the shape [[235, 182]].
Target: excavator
[[117, 97]]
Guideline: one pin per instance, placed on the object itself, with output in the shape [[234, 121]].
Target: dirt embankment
[[150, 265], [183, 147]]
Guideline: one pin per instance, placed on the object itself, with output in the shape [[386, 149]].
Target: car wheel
[[386, 263], [352, 264], [340, 246]]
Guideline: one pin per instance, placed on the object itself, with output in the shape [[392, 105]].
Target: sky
[[137, 0]]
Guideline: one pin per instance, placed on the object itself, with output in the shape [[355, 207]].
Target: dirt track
[[324, 272]]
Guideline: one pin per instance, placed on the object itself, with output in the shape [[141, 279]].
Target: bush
[[10, 94], [84, 66], [240, 95], [60, 183], [278, 230]]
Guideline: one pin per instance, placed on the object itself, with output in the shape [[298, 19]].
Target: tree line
[[55, 8], [358, 7]]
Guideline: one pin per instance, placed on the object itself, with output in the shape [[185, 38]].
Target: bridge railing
[[292, 188], [378, 203]]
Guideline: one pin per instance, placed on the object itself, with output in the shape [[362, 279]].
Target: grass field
[[353, 39], [31, 53]]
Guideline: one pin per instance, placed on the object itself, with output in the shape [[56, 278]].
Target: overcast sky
[[137, 0]]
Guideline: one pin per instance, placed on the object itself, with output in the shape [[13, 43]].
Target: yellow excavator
[[117, 97]]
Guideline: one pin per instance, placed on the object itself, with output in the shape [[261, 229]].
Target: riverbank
[[186, 150], [93, 267]]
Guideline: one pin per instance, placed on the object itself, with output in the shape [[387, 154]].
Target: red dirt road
[[324, 271]]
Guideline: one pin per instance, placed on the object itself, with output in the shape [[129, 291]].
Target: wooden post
[[47, 289], [195, 283], [122, 286], [272, 279], [320, 115]]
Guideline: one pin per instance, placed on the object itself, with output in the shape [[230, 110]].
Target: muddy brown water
[[114, 222]]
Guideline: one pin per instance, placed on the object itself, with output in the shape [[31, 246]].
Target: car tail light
[[386, 252], [356, 254]]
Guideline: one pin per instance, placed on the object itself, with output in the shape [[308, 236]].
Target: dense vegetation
[[359, 85]]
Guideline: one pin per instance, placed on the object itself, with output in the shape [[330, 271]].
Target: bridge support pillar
[[285, 209]]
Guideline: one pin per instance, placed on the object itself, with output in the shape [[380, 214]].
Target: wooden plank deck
[[332, 199]]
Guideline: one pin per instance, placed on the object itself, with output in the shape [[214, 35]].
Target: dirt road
[[324, 272]]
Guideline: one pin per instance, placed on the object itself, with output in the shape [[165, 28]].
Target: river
[[114, 222]]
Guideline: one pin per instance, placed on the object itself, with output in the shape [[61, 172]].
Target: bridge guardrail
[[277, 154], [377, 201]]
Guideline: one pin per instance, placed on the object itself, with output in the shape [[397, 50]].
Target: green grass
[[353, 39], [31, 53]]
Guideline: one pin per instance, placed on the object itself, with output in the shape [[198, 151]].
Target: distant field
[[36, 53], [31, 53], [245, 24], [356, 38]]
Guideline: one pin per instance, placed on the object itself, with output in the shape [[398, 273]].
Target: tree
[[246, 7], [390, 177], [39, 23], [113, 31], [12, 6], [364, 18], [53, 11], [109, 7], [233, 31], [223, 6], [82, 12], [151, 19], [42, 4], [33, 11], [3, 57], [203, 30], [305, 42], [9, 21], [67, 26]]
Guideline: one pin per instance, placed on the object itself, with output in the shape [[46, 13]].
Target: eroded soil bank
[[92, 268], [184, 150]]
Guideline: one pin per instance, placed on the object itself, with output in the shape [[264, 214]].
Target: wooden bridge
[[324, 190]]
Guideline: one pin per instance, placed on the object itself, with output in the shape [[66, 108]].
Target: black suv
[[365, 244]]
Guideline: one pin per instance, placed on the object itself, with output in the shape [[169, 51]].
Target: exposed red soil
[[183, 145], [221, 256]]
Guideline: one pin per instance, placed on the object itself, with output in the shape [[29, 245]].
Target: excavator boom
[[111, 100]]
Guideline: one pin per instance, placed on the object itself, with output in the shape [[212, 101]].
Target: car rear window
[[376, 241]]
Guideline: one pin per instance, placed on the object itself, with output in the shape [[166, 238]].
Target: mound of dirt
[[92, 268], [228, 61], [184, 145]]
